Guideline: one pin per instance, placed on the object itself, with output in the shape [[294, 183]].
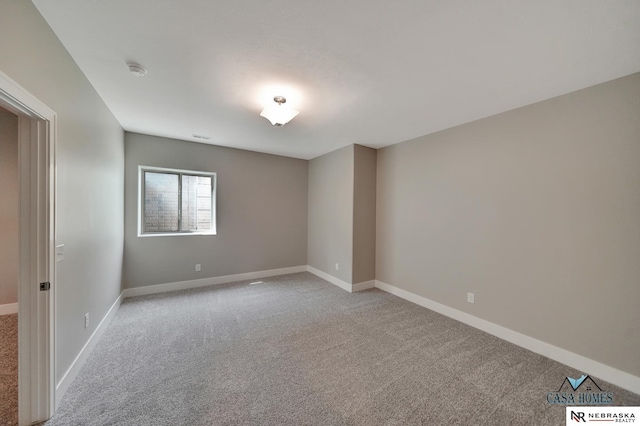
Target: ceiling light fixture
[[137, 70], [278, 114]]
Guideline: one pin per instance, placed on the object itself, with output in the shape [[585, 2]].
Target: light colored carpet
[[296, 350], [9, 370]]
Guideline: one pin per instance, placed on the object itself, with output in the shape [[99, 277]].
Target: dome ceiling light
[[277, 113]]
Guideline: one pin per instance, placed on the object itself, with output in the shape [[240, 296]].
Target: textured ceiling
[[372, 72]]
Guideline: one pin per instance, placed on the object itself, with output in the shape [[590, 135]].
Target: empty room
[[319, 213]]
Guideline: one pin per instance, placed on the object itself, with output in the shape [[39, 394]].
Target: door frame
[[37, 125]]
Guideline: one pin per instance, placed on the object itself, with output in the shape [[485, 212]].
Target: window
[[176, 202]]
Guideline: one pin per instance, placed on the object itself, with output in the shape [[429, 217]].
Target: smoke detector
[[136, 69]]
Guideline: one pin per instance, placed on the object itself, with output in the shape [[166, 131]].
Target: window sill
[[177, 234]]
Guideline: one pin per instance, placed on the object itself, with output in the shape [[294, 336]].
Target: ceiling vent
[[201, 137]]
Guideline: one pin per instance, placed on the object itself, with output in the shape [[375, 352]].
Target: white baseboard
[[183, 285], [579, 362], [333, 280], [365, 285], [351, 288], [8, 309], [76, 365]]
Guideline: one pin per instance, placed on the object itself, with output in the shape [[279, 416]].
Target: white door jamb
[[36, 308]]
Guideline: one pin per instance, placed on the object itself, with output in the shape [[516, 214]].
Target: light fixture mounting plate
[[279, 99]]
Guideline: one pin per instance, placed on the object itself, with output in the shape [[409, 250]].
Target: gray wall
[[89, 164], [331, 213], [342, 203], [261, 213], [536, 211], [364, 214], [9, 196]]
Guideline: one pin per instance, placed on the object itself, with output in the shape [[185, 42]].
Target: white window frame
[[141, 196]]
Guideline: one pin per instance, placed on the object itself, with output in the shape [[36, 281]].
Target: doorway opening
[[36, 130], [9, 260]]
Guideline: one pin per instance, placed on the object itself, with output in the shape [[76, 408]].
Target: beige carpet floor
[[296, 350], [9, 370]]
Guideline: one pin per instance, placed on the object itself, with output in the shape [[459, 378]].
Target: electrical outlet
[[337, 266], [471, 298], [86, 320], [198, 268]]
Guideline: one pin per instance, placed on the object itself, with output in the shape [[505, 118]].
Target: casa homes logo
[[580, 415], [581, 391]]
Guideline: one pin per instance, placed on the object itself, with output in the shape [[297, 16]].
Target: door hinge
[[45, 286]]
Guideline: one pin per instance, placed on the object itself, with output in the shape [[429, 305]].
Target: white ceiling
[[372, 72]]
